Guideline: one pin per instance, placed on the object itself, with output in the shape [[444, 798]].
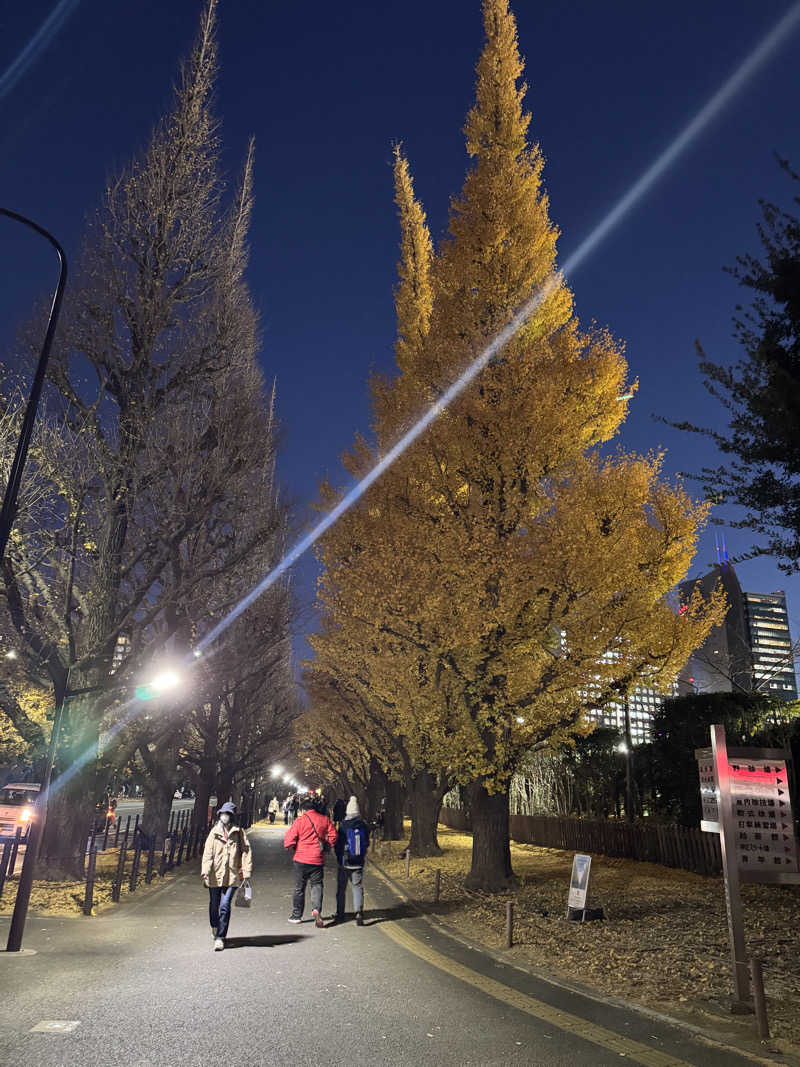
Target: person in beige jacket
[[227, 860]]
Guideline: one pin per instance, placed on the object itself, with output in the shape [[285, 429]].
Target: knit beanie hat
[[352, 811]]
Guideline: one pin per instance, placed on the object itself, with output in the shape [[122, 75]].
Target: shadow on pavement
[[263, 940]]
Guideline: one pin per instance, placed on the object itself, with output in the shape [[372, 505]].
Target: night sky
[[327, 88]]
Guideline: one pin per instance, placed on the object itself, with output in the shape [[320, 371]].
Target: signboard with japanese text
[[762, 813], [709, 795]]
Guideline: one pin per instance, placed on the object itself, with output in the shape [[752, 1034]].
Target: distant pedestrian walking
[[273, 809], [310, 836], [351, 852], [227, 860]]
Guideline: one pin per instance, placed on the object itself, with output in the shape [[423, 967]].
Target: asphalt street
[[141, 985]]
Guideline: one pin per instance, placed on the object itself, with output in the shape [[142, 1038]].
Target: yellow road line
[[562, 1020]]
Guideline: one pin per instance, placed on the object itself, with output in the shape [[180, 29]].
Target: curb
[[711, 1037]]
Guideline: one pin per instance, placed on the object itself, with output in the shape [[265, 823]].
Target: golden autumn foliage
[[511, 569]]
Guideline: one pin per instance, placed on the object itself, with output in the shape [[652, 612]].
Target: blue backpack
[[355, 846]]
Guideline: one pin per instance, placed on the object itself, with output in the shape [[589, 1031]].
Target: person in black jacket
[[338, 811], [351, 852]]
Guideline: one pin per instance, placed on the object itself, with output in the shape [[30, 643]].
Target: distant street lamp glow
[[277, 770], [11, 654], [167, 680]]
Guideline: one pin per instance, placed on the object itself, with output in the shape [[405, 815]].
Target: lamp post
[[162, 683], [9, 509]]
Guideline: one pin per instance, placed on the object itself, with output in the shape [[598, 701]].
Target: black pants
[[303, 873]]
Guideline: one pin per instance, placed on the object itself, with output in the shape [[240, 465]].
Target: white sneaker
[[292, 919], [219, 945]]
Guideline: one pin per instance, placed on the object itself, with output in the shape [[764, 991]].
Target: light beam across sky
[[37, 44]]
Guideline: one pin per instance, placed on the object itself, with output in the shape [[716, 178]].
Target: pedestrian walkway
[[141, 985]]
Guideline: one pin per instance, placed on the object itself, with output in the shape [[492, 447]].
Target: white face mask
[[225, 818]]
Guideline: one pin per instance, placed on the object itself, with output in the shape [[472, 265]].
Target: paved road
[[145, 988], [136, 807]]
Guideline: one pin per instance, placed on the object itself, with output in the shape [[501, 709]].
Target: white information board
[[579, 882]]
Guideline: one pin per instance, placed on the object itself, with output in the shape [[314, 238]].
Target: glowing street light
[[165, 681], [277, 770], [11, 654]]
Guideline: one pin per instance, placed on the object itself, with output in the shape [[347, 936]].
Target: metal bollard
[[127, 829], [162, 867], [116, 835], [105, 835], [509, 923], [116, 887], [759, 1000], [437, 885], [14, 850], [151, 859], [137, 855], [4, 865], [408, 863], [88, 899], [179, 858]]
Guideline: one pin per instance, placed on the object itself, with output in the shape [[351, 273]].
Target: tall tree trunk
[[202, 793], [395, 802], [425, 801], [157, 807], [491, 843]]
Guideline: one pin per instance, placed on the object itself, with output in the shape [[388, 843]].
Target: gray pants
[[354, 875]]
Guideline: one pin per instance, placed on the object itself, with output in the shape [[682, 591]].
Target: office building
[[771, 644]]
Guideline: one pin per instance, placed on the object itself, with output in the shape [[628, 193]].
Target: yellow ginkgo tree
[[512, 569]]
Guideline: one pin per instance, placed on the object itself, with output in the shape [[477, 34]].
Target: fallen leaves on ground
[[664, 940], [66, 898]]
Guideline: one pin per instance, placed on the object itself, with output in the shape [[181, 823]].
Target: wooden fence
[[671, 846]]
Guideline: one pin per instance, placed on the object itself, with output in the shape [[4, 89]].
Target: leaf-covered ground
[[664, 941], [66, 898]]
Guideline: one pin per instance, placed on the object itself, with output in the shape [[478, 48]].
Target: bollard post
[[88, 899], [127, 828], [14, 850], [4, 865], [179, 859], [116, 835], [509, 923], [151, 859], [135, 826], [437, 885], [137, 855], [759, 1000], [408, 863], [116, 887], [105, 835]]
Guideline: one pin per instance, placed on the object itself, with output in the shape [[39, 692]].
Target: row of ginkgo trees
[[509, 572]]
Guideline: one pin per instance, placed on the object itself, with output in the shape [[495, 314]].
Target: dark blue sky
[[326, 88]]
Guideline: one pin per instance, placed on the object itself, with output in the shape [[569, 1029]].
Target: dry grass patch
[[664, 942]]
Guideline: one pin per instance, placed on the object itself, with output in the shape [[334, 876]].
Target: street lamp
[[9, 509], [277, 770]]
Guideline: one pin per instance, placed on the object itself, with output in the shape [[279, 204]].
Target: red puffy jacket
[[305, 834]]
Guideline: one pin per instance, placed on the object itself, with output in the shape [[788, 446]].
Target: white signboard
[[579, 882], [762, 815], [709, 790]]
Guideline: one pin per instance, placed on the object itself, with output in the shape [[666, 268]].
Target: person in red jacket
[[309, 835]]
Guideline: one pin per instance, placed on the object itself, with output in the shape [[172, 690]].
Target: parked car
[[17, 806]]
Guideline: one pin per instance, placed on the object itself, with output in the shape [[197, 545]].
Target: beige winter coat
[[226, 862]]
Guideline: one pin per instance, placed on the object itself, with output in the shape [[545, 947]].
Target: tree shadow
[[263, 940], [374, 916]]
